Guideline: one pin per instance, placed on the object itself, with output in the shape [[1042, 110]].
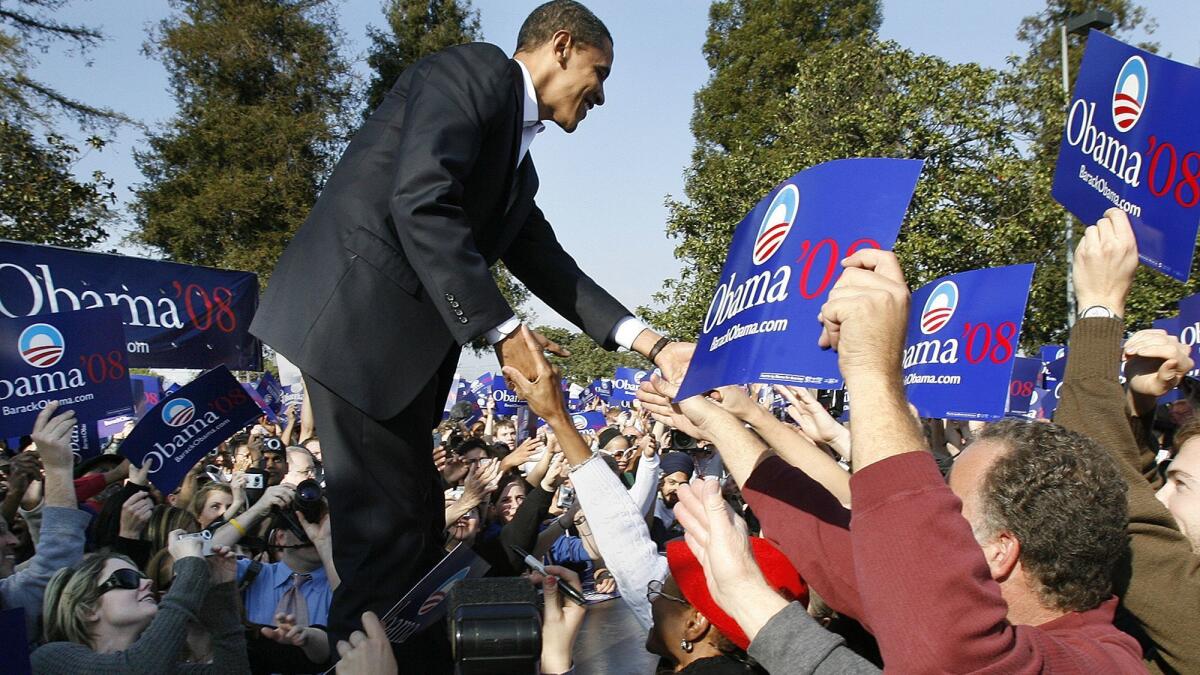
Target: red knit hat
[[688, 573]]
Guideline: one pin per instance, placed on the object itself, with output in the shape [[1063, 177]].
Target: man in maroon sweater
[[1006, 570]]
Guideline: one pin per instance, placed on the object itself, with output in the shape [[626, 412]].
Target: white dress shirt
[[628, 328]]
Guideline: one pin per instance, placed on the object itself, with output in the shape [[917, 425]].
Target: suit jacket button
[[458, 312], [454, 304], [450, 297], [462, 319]]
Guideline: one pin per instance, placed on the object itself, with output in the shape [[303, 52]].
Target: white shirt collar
[[530, 117]]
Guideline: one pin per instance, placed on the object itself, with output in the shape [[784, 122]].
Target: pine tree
[[415, 29], [41, 201], [263, 112]]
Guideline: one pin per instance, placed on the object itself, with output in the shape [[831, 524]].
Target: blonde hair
[[163, 520], [196, 508], [71, 594]]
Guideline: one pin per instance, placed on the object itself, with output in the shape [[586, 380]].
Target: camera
[[205, 538], [310, 500], [683, 442], [273, 444], [254, 481]]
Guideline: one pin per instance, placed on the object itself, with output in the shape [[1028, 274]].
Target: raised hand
[[181, 548], [1156, 362], [814, 420], [543, 392], [674, 360], [521, 348], [523, 453], [657, 396], [1105, 261], [370, 653], [222, 565], [52, 436], [135, 513], [866, 316], [561, 620]]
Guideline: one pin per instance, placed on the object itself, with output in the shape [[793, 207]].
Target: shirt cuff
[[503, 330], [627, 330]]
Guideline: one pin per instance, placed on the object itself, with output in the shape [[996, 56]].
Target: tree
[[588, 360], [416, 28], [263, 102], [41, 201], [756, 49]]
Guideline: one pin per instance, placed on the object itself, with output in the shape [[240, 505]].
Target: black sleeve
[[137, 550], [447, 113], [522, 530], [268, 656], [549, 272]]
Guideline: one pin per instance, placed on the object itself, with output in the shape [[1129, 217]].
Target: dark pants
[[386, 508]]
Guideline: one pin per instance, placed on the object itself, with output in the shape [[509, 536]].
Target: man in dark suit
[[389, 277]]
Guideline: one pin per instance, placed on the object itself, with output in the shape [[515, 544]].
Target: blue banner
[[761, 325], [506, 401], [85, 441], [602, 388], [188, 424], [147, 392], [625, 385], [75, 358], [481, 387], [176, 316], [963, 332], [252, 392], [1053, 353], [1020, 390], [1131, 141]]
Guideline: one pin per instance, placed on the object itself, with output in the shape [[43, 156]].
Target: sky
[[603, 187]]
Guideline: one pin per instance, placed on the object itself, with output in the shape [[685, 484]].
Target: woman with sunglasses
[[101, 615]]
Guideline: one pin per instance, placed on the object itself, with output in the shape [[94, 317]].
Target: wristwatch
[[1097, 312]]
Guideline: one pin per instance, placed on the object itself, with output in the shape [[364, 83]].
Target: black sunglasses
[[128, 579]]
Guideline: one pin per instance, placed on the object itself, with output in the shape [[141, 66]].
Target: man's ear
[[697, 625], [1003, 553], [562, 44]]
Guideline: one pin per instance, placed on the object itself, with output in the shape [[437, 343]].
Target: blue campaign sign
[[505, 399], [147, 391], [481, 387], [75, 358], [1053, 353], [963, 332], [422, 606], [1020, 391], [188, 424], [602, 388], [176, 316], [1130, 141], [761, 325], [1049, 399], [252, 392], [625, 384], [271, 392], [85, 441]]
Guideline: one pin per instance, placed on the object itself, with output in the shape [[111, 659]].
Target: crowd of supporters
[[739, 540]]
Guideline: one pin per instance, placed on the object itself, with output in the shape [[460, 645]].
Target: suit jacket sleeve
[[447, 113], [550, 273]]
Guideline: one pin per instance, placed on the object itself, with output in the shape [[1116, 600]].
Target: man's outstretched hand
[[539, 385], [514, 351]]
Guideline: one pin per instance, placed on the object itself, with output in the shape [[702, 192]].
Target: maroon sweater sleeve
[[89, 486], [929, 595], [810, 526]]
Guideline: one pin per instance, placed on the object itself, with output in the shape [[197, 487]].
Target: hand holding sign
[[52, 436], [1105, 262], [1156, 362], [866, 315]]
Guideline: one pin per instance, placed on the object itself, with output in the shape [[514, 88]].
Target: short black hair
[[551, 17]]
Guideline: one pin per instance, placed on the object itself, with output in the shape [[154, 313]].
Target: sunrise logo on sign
[[41, 345], [1129, 93], [178, 412], [776, 223], [939, 308]]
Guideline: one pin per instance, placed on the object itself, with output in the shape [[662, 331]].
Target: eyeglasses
[[127, 579], [655, 587]]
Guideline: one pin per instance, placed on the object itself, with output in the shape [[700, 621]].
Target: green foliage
[[588, 360], [40, 200], [263, 111], [989, 139], [416, 28]]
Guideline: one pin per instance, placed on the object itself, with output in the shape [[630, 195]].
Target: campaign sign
[[505, 399], [85, 441], [252, 392], [147, 391], [75, 358], [963, 331], [425, 604], [186, 425], [1020, 390], [271, 392], [481, 387], [1053, 353], [1131, 141], [107, 428], [602, 388], [761, 324], [625, 385], [176, 316], [14, 648]]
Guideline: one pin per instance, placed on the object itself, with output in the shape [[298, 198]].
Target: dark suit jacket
[[390, 272]]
